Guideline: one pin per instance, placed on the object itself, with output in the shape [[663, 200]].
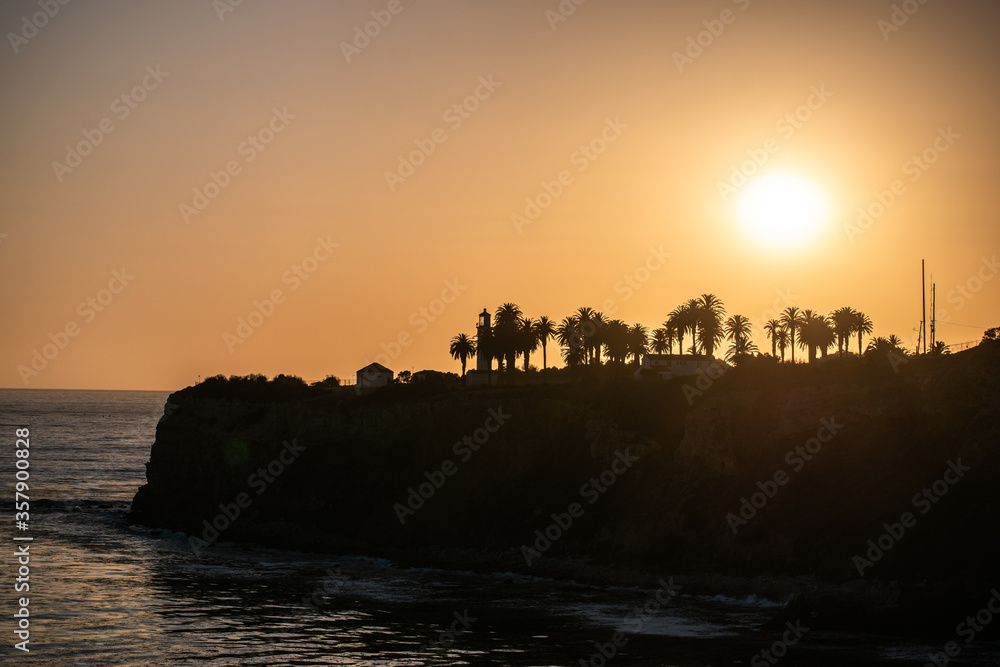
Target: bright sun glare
[[782, 211]]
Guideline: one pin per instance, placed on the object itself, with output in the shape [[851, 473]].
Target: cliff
[[845, 472]]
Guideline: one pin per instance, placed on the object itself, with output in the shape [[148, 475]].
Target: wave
[[71, 505]]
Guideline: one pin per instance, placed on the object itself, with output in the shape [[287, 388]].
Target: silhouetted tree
[[938, 348], [737, 329], [638, 341], [328, 381], [771, 329], [462, 347], [574, 349], [505, 334], [790, 319], [880, 346], [527, 339], [586, 329], [815, 333], [691, 317], [782, 337], [711, 313], [677, 322], [289, 380], [862, 325], [662, 341], [594, 332], [843, 320], [615, 338], [544, 329]]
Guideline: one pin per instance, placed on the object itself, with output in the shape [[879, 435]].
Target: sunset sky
[[181, 161]]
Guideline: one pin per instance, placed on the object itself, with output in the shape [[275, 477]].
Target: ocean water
[[104, 592]]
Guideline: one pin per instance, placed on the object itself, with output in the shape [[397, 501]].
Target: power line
[[956, 324]]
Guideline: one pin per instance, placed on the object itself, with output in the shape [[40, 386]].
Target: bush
[[328, 381]]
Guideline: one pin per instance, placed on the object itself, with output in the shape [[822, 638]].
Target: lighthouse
[[484, 334]]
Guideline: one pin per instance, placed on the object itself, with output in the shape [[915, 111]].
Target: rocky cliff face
[[845, 472]]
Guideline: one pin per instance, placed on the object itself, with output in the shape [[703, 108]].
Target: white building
[[374, 375], [666, 366]]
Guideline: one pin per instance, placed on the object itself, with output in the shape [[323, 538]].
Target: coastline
[[669, 517]]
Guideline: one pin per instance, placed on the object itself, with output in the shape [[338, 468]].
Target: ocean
[[105, 592]]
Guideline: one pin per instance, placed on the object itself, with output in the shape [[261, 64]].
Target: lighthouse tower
[[484, 332]]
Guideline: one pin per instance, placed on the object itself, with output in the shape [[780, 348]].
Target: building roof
[[373, 368], [676, 357]]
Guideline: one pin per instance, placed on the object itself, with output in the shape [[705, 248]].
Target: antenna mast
[[923, 296], [933, 311]]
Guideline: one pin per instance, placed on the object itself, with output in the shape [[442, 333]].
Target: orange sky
[[310, 192]]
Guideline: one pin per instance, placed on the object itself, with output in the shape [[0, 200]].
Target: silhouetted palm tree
[[807, 326], [711, 313], [814, 333], [862, 325], [790, 320], [574, 350], [739, 351], [677, 322], [883, 346], [615, 341], [938, 348], [544, 329], [596, 338], [843, 320], [737, 329], [662, 340], [462, 347], [771, 329], [505, 334], [691, 316], [671, 337], [527, 339], [587, 325], [712, 303], [782, 337], [638, 341], [826, 337]]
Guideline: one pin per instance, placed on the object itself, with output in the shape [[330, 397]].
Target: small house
[[374, 375], [666, 366]]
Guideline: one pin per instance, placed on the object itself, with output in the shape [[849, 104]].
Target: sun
[[782, 211]]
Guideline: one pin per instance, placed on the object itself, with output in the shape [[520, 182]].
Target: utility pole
[[923, 296], [933, 311]]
